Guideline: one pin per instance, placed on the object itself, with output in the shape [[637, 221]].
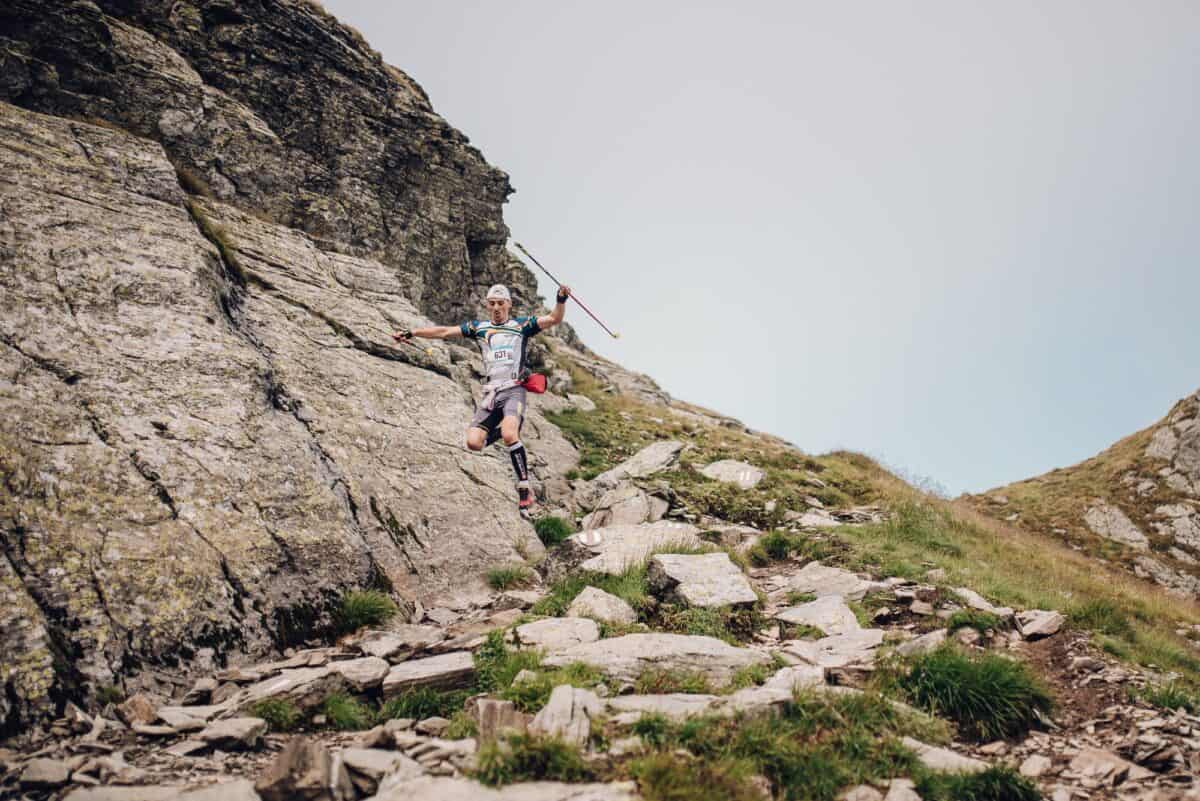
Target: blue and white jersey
[[502, 346]]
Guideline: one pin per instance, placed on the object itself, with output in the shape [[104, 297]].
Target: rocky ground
[[819, 629]]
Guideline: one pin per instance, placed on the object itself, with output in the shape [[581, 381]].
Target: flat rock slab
[[43, 773], [805, 677], [744, 475], [943, 759], [705, 580], [233, 733], [840, 650], [597, 604], [924, 644], [654, 458], [375, 763], [307, 688], [977, 601], [444, 788], [613, 549], [363, 674], [400, 642], [820, 580], [558, 633], [626, 657], [627, 709], [161, 793], [829, 614], [444, 671]]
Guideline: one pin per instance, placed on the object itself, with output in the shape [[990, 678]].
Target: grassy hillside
[[1012, 565]]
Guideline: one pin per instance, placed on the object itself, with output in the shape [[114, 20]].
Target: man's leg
[[475, 438], [510, 432]]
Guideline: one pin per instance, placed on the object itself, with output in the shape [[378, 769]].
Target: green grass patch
[[461, 727], [530, 695], [1101, 616], [777, 545], [109, 694], [795, 598], [280, 714], [552, 530], [346, 714], [423, 702], [666, 777], [505, 577], [526, 757], [974, 619], [816, 747], [660, 681], [496, 665], [364, 608], [1170, 695], [997, 783], [989, 696], [630, 586]]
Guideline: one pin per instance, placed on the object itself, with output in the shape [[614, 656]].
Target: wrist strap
[[561, 298]]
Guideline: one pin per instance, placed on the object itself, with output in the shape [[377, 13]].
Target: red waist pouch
[[536, 383]]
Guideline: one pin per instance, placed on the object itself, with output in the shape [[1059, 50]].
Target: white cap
[[499, 292]]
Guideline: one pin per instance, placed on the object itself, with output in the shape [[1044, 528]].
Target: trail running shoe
[[524, 499]]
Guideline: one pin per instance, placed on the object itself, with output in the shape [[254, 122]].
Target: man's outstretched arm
[[432, 332], [560, 309]]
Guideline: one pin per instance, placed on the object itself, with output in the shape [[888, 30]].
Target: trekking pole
[[577, 300]]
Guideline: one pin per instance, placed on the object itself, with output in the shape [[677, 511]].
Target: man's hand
[[564, 292], [403, 335]]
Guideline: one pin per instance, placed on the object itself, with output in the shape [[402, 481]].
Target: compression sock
[[516, 452]]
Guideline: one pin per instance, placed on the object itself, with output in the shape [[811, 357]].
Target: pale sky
[[961, 237]]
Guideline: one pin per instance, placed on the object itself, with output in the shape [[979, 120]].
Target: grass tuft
[[461, 727], [974, 619], [988, 696], [364, 608], [997, 783], [1103, 617], [1171, 695], [526, 757], [496, 665], [506, 577], [346, 714], [423, 702], [659, 681], [532, 694], [666, 777], [552, 530], [280, 714]]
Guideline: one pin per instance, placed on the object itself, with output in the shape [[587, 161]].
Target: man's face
[[498, 309]]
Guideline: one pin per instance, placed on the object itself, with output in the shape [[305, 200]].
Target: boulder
[[581, 402], [567, 715], [234, 733], [820, 580], [654, 458], [838, 651], [597, 604], [366, 767], [557, 633], [1110, 522], [745, 476], [627, 709], [305, 771], [796, 677], [924, 644], [625, 505], [704, 580], [307, 688], [137, 708], [1035, 766], [625, 658], [362, 674], [902, 790], [1035, 624], [44, 774], [1095, 767], [444, 671], [829, 614], [494, 717], [943, 759]]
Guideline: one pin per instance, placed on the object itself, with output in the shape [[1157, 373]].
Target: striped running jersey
[[502, 346]]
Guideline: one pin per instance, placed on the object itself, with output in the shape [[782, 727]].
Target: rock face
[[193, 434], [1110, 522], [282, 111]]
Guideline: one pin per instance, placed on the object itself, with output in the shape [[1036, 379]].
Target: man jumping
[[502, 342]]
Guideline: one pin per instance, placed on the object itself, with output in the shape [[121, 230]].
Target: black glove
[[561, 298]]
